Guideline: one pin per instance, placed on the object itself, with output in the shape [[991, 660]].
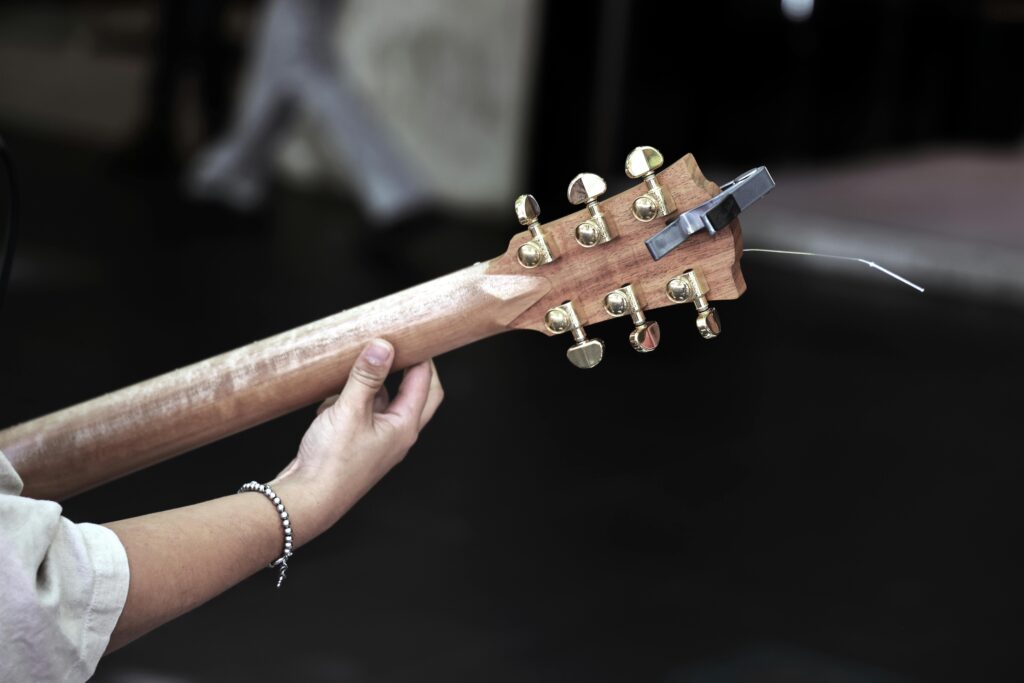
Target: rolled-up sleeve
[[62, 588]]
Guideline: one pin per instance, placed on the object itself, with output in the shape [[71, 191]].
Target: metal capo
[[715, 213]]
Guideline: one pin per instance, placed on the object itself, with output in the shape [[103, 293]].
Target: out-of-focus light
[[798, 10]]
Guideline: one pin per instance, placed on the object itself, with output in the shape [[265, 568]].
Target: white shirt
[[62, 588]]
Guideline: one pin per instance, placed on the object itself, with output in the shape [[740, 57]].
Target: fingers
[[381, 400], [328, 402], [367, 377], [434, 397], [412, 395]]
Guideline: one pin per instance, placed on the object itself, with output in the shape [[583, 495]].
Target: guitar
[[671, 239]]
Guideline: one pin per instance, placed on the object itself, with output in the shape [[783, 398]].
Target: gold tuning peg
[[585, 189], [643, 162], [646, 334], [692, 287], [536, 251], [585, 353]]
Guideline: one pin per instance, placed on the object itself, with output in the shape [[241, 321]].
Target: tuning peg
[[536, 251], [585, 189], [692, 287], [585, 353], [643, 162], [646, 334]]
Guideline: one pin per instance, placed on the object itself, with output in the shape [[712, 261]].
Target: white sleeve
[[62, 588]]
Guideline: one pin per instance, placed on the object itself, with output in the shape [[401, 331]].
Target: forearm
[[179, 559]]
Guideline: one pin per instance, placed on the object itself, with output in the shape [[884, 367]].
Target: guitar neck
[[72, 450], [554, 278]]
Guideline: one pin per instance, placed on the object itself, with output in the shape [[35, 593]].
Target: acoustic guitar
[[673, 238]]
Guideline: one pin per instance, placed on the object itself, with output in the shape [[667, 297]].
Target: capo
[[715, 213]]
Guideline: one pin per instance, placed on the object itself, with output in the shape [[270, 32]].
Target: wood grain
[[143, 424]]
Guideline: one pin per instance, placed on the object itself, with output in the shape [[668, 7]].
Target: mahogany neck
[[74, 449]]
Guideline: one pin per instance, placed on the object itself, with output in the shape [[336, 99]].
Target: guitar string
[[870, 264]]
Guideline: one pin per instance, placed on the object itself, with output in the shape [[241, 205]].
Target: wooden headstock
[[585, 276]]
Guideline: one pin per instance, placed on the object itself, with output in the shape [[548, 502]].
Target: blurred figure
[[190, 43], [293, 72]]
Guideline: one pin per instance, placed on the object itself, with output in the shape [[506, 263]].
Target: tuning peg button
[[645, 337], [643, 162], [691, 287], [536, 251], [585, 188], [646, 334], [709, 324], [585, 353]]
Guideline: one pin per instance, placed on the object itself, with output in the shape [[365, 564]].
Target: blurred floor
[[952, 217], [842, 506]]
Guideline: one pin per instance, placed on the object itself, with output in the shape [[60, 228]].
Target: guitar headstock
[[599, 266]]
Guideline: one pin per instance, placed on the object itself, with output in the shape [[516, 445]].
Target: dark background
[[828, 492]]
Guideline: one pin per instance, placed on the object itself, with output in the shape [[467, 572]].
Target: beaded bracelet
[[282, 562]]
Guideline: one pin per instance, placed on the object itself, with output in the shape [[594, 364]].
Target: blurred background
[[843, 505]]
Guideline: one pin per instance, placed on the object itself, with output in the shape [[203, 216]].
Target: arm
[[181, 558]]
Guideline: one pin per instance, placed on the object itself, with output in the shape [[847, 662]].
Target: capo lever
[[715, 213]]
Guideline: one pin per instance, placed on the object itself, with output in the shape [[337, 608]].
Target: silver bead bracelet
[[282, 562]]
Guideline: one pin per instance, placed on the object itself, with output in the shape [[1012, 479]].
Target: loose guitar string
[[870, 264]]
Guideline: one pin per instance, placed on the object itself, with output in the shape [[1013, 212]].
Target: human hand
[[356, 438]]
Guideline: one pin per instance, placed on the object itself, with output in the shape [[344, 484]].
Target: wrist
[[308, 509]]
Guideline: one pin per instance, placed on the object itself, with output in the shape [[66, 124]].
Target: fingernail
[[377, 353]]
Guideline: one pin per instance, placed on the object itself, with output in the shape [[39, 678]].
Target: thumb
[[367, 376]]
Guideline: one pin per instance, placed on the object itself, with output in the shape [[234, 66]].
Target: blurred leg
[[293, 70]]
